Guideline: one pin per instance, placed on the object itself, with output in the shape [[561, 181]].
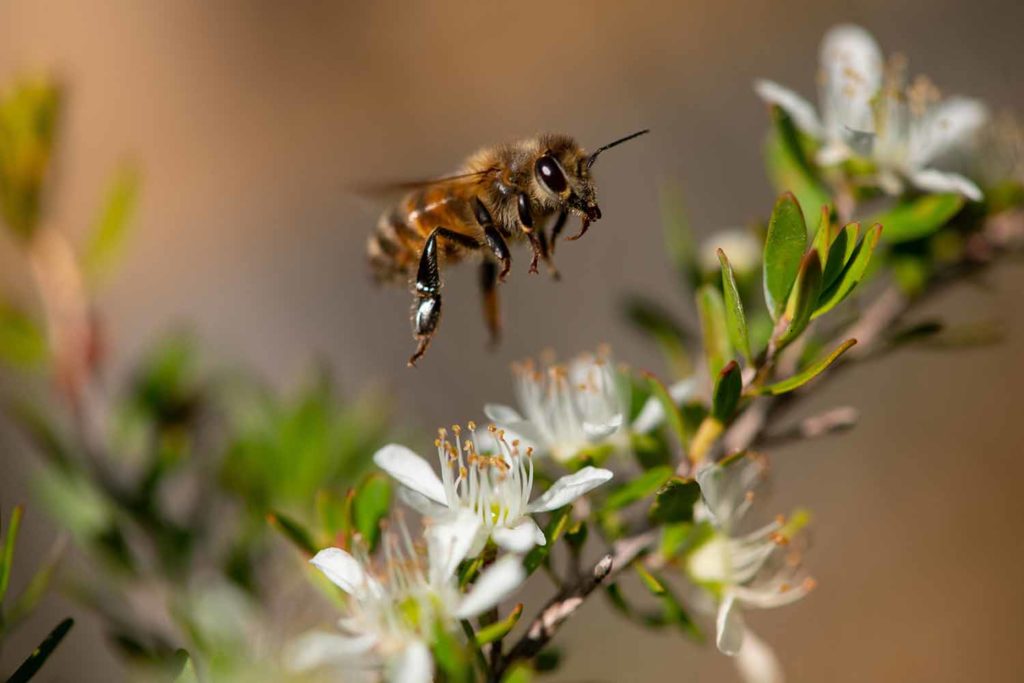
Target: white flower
[[396, 608], [565, 408], [867, 110], [758, 569], [495, 488]]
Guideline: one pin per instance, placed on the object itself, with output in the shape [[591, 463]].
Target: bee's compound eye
[[550, 173]]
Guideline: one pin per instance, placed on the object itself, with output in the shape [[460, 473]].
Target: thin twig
[[551, 617]]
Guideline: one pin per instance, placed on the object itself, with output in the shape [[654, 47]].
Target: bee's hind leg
[[426, 313], [489, 289]]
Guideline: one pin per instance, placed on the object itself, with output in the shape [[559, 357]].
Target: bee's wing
[[385, 189]]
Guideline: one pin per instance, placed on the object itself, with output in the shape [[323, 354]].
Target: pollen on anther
[[472, 425], [456, 429]]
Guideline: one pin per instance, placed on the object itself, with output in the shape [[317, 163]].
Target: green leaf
[[106, 242], [823, 236], [789, 164], [371, 505], [518, 673], [30, 667], [638, 488], [36, 588], [726, 395], [735, 320], [673, 417], [29, 112], [552, 532], [783, 250], [43, 435], [711, 310], [919, 218], [7, 559], [852, 274], [499, 629], [452, 658], [802, 378], [22, 341], [293, 531], [802, 299], [839, 254], [334, 512], [674, 501], [184, 667]]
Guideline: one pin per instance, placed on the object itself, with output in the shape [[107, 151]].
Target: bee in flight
[[501, 194]]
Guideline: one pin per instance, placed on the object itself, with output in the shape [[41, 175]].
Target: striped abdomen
[[395, 246]]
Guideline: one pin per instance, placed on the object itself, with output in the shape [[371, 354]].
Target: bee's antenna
[[593, 157]]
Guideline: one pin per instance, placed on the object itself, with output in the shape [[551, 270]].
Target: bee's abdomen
[[394, 247]]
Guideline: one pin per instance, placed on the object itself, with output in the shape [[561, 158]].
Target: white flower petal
[[730, 627], [515, 426], [931, 180], [317, 649], [852, 66], [342, 569], [800, 110], [569, 488], [520, 538], [412, 665], [502, 414], [653, 413], [726, 489], [421, 504], [950, 124], [449, 541], [495, 584], [410, 470], [757, 663]]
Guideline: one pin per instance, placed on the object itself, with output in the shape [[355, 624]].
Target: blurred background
[[252, 121]]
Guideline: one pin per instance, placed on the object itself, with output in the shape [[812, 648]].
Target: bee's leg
[[489, 288], [427, 307], [556, 230], [495, 242]]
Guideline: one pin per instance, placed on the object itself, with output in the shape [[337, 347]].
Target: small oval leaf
[[802, 378], [852, 274], [839, 254], [726, 396], [711, 310], [783, 249], [735, 320], [803, 299], [919, 218]]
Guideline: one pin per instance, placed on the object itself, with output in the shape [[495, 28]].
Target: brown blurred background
[[252, 120]]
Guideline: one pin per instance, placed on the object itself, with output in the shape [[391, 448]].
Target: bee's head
[[562, 172]]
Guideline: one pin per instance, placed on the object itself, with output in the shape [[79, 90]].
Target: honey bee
[[502, 194]]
